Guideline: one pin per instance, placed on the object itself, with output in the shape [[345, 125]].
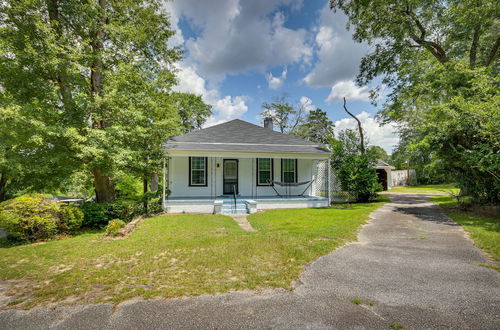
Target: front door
[[230, 177]]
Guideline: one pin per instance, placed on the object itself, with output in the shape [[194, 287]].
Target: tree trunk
[[60, 77], [474, 46], [104, 187], [3, 186], [154, 182], [360, 129], [145, 189]]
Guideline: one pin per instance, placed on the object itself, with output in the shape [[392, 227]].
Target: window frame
[[271, 170], [191, 184], [295, 170]]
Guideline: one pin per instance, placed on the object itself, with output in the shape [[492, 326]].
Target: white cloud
[[239, 35], [225, 108], [338, 55], [349, 90], [383, 136], [306, 103], [276, 82], [228, 108]]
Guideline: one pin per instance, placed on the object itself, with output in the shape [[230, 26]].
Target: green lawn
[[427, 189], [177, 255], [485, 231]]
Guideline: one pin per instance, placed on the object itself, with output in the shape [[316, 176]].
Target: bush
[[37, 216], [97, 215], [155, 206], [355, 169], [113, 227]]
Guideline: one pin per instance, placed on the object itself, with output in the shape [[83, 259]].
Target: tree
[[354, 168], [286, 116], [440, 60], [193, 111], [317, 127], [71, 69], [407, 32], [379, 153]]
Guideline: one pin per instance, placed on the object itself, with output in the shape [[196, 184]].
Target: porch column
[[164, 180], [328, 187]]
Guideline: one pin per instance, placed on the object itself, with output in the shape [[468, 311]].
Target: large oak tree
[[85, 83]]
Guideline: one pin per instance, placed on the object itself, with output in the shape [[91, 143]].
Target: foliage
[[317, 127], [86, 86], [113, 227], [193, 112], [128, 186], [440, 60], [34, 217], [462, 132], [379, 153], [429, 168], [355, 170], [97, 215], [285, 115], [155, 205], [180, 250]]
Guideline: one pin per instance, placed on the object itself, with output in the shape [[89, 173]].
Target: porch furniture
[[288, 185]]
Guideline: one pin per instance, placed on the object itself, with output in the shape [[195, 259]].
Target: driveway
[[412, 267]]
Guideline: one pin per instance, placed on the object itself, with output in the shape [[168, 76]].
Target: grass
[[484, 231], [427, 189], [177, 255], [396, 326], [356, 301]]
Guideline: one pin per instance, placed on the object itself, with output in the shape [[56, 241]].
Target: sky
[[241, 53]]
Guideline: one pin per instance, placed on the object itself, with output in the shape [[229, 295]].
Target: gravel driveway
[[412, 267]]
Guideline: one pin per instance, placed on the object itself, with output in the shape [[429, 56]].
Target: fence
[[323, 187], [400, 177]]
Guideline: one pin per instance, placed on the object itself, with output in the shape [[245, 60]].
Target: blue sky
[[241, 53]]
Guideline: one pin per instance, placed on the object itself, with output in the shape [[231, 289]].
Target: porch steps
[[228, 207]]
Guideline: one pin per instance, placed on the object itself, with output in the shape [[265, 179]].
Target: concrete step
[[235, 212]]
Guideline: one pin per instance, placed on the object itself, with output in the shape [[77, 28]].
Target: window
[[289, 170], [264, 171], [197, 171]]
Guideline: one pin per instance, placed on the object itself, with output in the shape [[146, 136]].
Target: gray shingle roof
[[242, 136]]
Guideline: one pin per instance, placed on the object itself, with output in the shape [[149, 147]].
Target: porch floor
[[255, 198]]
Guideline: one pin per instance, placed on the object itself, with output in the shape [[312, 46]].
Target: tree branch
[[474, 46], [362, 145], [493, 52], [437, 51], [60, 77]]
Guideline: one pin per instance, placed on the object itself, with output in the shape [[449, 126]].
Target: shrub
[[355, 169], [37, 216], [71, 218], [155, 206], [113, 227], [97, 215]]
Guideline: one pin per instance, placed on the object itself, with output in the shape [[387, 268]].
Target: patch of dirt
[[127, 229], [60, 268], [12, 293]]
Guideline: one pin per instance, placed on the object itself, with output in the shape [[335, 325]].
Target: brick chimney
[[268, 123]]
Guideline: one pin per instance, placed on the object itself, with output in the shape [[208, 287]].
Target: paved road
[[411, 262]]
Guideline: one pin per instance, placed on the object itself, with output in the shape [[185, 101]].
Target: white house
[[239, 167]]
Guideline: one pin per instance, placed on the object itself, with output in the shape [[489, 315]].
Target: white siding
[[178, 181]]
